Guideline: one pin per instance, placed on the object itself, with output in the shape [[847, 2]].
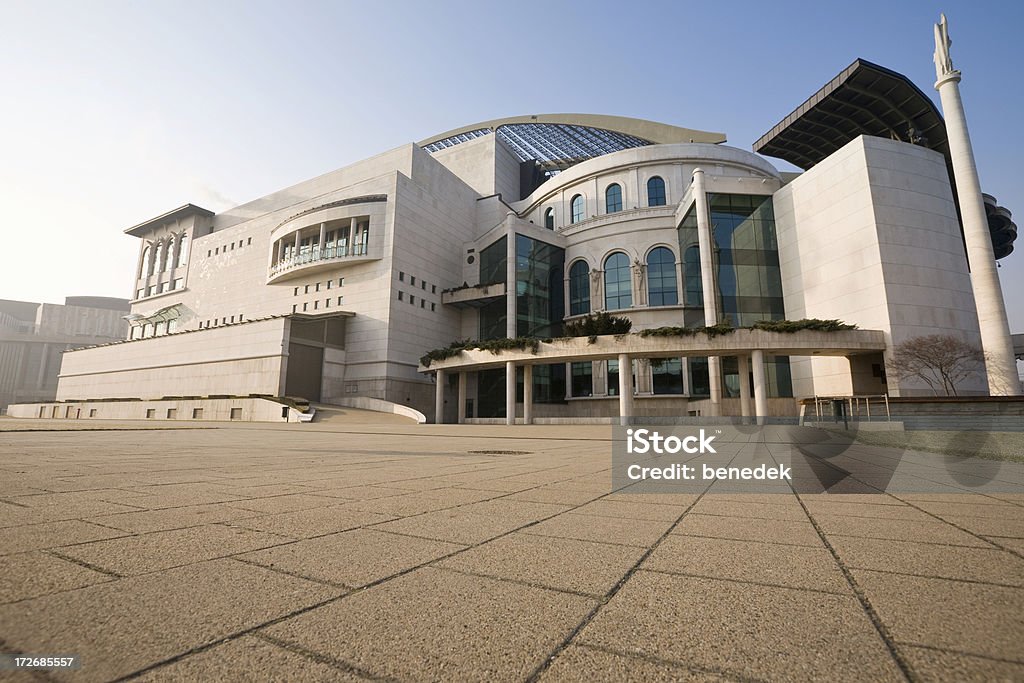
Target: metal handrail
[[316, 254], [854, 404]]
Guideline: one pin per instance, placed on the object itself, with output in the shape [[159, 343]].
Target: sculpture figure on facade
[[943, 62]]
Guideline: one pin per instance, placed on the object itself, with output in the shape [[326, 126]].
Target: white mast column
[[988, 294]]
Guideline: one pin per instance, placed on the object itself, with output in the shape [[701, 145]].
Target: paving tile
[[353, 558], [630, 510], [780, 565], [746, 529], [946, 509], [987, 526], [586, 665], [971, 618], [560, 563], [639, 532], [172, 518], [52, 534], [819, 507], [406, 628], [245, 659], [924, 559], [126, 625], [179, 495], [415, 503], [30, 575], [455, 526], [764, 633], [286, 503], [896, 529], [164, 549], [550, 494], [313, 522], [756, 510], [936, 665], [625, 495], [518, 511], [1014, 544]]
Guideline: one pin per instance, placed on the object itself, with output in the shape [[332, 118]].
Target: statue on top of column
[[943, 63]]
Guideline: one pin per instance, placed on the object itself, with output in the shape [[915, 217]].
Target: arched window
[[576, 208], [579, 288], [694, 294], [618, 290], [168, 259], [147, 262], [613, 198], [655, 191], [183, 250], [549, 218], [661, 278]]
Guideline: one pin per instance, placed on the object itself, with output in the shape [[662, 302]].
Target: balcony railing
[[316, 255]]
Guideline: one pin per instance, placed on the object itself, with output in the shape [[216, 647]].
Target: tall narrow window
[[147, 262], [579, 288], [618, 291], [576, 208], [613, 198], [694, 294], [168, 261], [655, 191], [183, 250], [549, 218], [161, 257], [661, 278]]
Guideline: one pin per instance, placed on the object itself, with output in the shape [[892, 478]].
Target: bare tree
[[940, 361]]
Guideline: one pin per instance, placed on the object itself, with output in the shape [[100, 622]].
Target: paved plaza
[[357, 550]]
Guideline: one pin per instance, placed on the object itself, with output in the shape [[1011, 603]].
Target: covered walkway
[[747, 345]]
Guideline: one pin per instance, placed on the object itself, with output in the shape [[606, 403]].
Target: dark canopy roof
[[866, 99]]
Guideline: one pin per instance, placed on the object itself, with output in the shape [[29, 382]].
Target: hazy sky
[[115, 112]]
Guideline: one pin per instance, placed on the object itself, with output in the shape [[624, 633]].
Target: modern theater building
[[333, 289]]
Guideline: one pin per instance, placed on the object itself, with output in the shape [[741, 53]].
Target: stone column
[[625, 388], [760, 390], [280, 251], [988, 295], [510, 393], [707, 277], [527, 394], [510, 279], [295, 254], [744, 369], [320, 243], [439, 397], [462, 397]]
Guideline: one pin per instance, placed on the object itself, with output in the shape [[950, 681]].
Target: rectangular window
[[401, 296], [317, 287], [172, 413], [232, 318], [401, 276], [432, 306], [139, 294], [305, 306], [412, 281], [341, 282], [178, 283], [340, 299], [423, 285], [197, 413], [150, 413], [582, 379], [327, 303], [306, 290], [92, 412], [433, 289], [250, 241], [209, 253], [329, 283], [296, 292], [295, 308], [236, 413], [232, 246], [316, 305], [412, 299], [216, 251], [423, 304]]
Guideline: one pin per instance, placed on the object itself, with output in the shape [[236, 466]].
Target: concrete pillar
[[510, 393], [439, 398], [744, 370], [295, 254], [527, 394], [510, 280], [280, 251], [141, 269], [625, 388], [44, 356], [320, 242], [462, 397], [760, 390], [706, 245], [988, 294]]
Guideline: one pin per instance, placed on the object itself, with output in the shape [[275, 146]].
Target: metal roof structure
[[868, 99], [559, 141]]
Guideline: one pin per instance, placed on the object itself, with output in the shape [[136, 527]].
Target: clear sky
[[115, 112]]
